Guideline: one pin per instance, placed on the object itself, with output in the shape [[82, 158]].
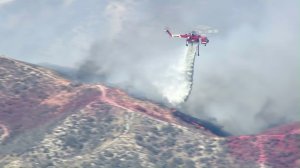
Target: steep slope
[[49, 121], [278, 147]]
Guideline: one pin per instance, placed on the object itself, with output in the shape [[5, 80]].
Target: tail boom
[[169, 33]]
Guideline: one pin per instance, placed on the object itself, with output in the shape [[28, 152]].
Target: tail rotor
[[168, 31]]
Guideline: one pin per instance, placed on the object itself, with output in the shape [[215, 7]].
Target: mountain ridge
[[47, 120]]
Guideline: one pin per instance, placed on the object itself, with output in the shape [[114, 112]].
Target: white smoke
[[247, 76], [116, 12], [5, 2], [235, 73]]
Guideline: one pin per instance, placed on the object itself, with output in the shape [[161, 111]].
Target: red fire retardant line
[[109, 101], [261, 139]]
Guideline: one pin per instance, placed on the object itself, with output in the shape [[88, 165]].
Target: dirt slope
[[48, 121]]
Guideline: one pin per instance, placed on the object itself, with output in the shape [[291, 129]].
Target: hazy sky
[[246, 79]]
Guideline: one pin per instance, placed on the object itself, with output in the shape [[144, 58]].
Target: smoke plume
[[246, 78]]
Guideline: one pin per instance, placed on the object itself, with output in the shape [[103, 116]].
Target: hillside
[[49, 121]]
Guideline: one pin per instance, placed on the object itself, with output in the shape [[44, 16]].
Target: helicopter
[[195, 37]]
